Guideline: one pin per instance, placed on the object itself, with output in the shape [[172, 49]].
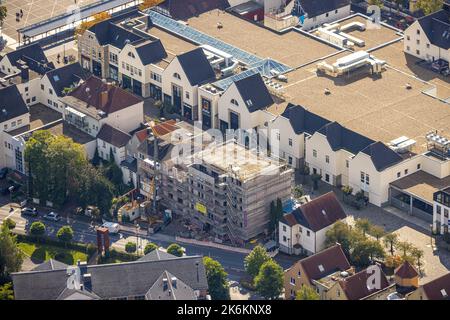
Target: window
[[406, 171], [315, 153], [131, 54], [327, 177], [438, 209], [284, 228], [418, 51], [284, 239], [50, 91], [292, 281], [187, 95], [308, 233], [19, 122], [290, 142], [418, 42], [418, 31], [408, 38], [327, 159], [26, 89], [418, 166], [299, 274], [13, 124], [367, 179], [326, 15], [347, 163], [336, 11], [290, 160], [155, 76], [177, 76], [408, 48], [278, 136], [398, 174], [362, 177], [428, 45], [234, 102], [446, 213], [42, 87]]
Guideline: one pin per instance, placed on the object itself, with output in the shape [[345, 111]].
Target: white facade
[[317, 21], [104, 151], [417, 44], [441, 212]]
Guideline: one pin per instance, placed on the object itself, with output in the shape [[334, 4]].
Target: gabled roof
[[168, 287], [437, 28], [66, 77], [254, 92], [382, 156], [185, 9], [51, 265], [112, 280], [196, 66], [157, 254], [33, 56], [438, 289], [74, 294], [107, 32], [340, 137], [315, 8], [117, 98], [11, 103], [325, 263], [357, 287], [113, 136], [406, 271], [151, 52], [303, 120], [319, 213]]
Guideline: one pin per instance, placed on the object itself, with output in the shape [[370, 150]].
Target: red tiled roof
[[438, 289], [331, 260], [142, 134], [406, 271], [356, 287], [91, 92], [164, 128]]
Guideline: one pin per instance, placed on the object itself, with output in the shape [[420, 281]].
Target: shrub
[[130, 247], [149, 247], [175, 250], [10, 223], [37, 229]]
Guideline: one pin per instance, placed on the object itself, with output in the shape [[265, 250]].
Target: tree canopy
[[11, 257], [175, 249], [37, 229], [429, 6], [65, 234], [255, 259], [217, 279], [307, 293], [269, 281]]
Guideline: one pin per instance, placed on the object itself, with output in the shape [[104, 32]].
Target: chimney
[[174, 282], [87, 281], [83, 267], [103, 98], [24, 73], [165, 284]]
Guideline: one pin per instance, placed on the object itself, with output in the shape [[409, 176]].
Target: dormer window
[[234, 102], [249, 102], [177, 75], [131, 54]]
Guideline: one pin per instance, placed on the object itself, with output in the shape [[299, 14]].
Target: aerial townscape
[[225, 150]]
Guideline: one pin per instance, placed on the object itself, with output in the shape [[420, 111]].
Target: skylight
[[444, 293], [56, 77], [321, 268]]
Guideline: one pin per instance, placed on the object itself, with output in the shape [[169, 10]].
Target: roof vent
[[321, 268], [444, 293], [324, 212], [165, 283], [344, 274]]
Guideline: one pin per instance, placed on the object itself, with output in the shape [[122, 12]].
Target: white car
[[52, 216], [112, 227]]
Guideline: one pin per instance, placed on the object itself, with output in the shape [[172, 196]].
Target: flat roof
[[421, 184], [245, 163], [173, 44], [291, 48], [40, 115]]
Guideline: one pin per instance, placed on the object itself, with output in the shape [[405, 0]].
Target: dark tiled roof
[[151, 52], [90, 92], [254, 92], [406, 271], [340, 137], [382, 156], [185, 9], [303, 120], [320, 213], [196, 66], [437, 28], [289, 219], [113, 136], [130, 163], [11, 103], [66, 77], [147, 147], [438, 289], [356, 286], [315, 8], [34, 57], [112, 280], [332, 260], [51, 265], [168, 287], [157, 254], [74, 294], [107, 32]]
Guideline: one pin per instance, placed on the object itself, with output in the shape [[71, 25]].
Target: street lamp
[[137, 238]]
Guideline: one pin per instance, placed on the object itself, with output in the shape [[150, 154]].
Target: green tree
[[115, 175], [11, 257], [111, 155], [175, 249], [417, 255], [297, 192], [429, 6], [255, 259], [339, 233], [65, 234], [95, 190], [363, 225], [390, 241], [10, 223], [96, 158], [6, 291], [130, 247], [269, 281], [378, 3], [307, 293], [377, 232], [217, 279], [365, 251], [404, 247], [149, 247], [3, 14], [37, 229]]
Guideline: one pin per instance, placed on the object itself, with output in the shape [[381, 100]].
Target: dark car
[[30, 212], [3, 173]]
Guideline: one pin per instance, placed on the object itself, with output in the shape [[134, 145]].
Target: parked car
[[52, 216], [3, 173], [30, 212], [112, 227]]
